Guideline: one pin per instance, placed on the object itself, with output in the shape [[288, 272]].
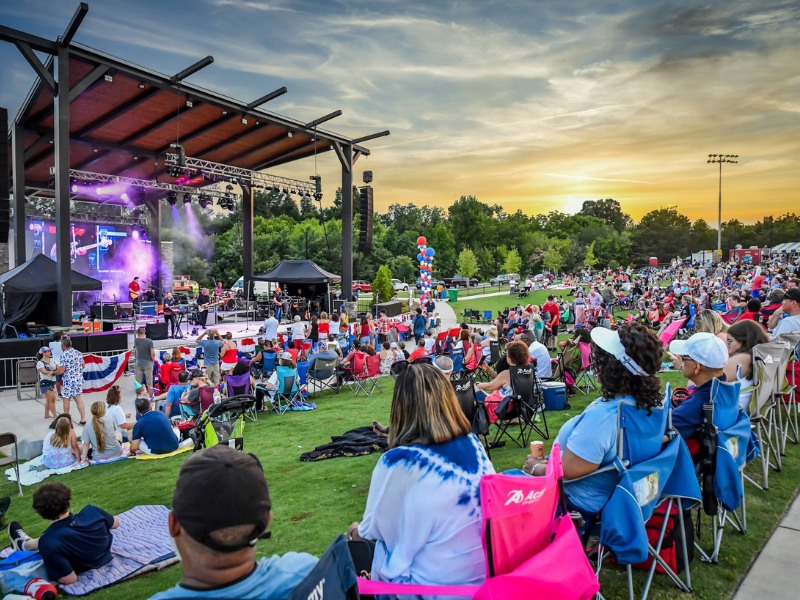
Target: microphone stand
[[247, 307]]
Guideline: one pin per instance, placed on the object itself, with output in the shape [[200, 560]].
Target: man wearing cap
[[323, 353], [218, 545], [191, 393], [790, 307], [701, 358]]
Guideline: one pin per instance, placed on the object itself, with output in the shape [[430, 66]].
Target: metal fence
[[8, 366]]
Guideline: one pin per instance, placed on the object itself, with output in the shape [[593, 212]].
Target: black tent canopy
[[298, 272], [30, 291]]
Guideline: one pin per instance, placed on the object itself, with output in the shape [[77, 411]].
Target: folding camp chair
[[651, 474], [524, 405], [584, 378], [724, 443], [529, 542], [487, 316], [205, 399], [474, 410], [494, 352], [268, 364], [441, 339], [368, 379], [332, 578], [322, 374], [457, 354], [240, 386], [768, 359], [786, 395], [288, 390], [355, 375], [671, 331], [8, 439]]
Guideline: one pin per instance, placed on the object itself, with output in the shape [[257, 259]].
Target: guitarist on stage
[[133, 293], [203, 299], [169, 315]]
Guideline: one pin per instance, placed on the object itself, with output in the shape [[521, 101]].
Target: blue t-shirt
[[592, 436], [211, 350], [419, 325], [687, 417], [174, 397], [274, 577], [78, 543], [156, 431]]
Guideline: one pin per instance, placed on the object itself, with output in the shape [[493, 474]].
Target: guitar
[[204, 307], [133, 295]]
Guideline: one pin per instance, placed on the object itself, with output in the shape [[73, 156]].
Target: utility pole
[[721, 158]]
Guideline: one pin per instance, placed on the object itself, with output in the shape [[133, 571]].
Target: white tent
[[787, 248]]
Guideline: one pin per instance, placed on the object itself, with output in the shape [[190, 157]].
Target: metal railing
[[8, 366]]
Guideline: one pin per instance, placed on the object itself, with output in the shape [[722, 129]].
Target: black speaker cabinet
[[156, 331]]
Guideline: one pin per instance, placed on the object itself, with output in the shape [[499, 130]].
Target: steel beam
[[90, 141], [18, 172], [61, 148], [74, 23], [287, 153], [347, 222], [37, 65], [247, 236], [313, 124], [267, 98], [231, 140], [36, 146], [192, 69], [91, 160], [7, 34], [159, 124], [372, 136], [94, 77], [276, 140], [340, 153]]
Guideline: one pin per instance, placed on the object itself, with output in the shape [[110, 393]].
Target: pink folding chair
[[671, 331], [584, 378], [530, 552]]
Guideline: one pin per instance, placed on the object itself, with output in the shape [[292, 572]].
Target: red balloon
[[421, 240]]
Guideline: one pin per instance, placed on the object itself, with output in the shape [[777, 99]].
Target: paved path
[[447, 314], [775, 575]]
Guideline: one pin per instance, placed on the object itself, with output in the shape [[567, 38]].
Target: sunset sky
[[531, 105]]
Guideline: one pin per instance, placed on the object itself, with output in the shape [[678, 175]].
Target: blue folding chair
[[651, 472], [727, 444], [269, 363], [457, 354]]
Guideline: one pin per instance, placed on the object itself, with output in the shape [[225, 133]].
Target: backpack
[[671, 549]]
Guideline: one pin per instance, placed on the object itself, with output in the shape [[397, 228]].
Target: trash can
[[453, 293]]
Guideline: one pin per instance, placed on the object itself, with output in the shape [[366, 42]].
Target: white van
[[258, 287]]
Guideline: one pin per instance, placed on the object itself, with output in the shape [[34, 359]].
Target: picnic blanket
[[34, 471], [140, 544], [188, 446], [356, 442]]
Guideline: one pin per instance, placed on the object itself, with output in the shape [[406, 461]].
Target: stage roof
[[298, 271], [39, 275], [123, 118]]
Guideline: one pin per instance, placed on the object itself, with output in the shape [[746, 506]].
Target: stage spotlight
[[141, 85], [229, 188], [74, 188], [275, 188], [294, 191], [124, 196], [135, 234], [139, 195], [172, 198], [285, 191], [204, 201], [175, 171]]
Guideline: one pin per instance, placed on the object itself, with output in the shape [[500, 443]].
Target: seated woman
[[588, 442], [60, 448], [387, 358], [493, 392], [100, 436], [114, 411], [242, 367], [433, 461], [708, 321], [741, 337], [273, 384]]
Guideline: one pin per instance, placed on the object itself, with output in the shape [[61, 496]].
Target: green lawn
[[313, 502], [496, 303]]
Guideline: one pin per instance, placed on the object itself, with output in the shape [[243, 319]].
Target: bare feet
[[380, 429]]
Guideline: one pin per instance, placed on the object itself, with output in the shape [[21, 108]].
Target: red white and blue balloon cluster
[[425, 258]]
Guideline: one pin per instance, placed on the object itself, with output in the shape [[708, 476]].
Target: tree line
[[471, 238]]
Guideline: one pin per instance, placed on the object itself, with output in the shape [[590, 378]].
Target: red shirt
[[383, 325], [417, 353], [758, 282], [555, 315], [133, 286]]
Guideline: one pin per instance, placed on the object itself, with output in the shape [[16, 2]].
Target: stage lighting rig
[[138, 196], [172, 198], [317, 179], [204, 201]]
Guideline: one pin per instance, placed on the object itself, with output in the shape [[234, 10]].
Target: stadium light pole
[[721, 158]]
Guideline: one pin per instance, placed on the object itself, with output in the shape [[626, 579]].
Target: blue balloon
[[430, 252], [419, 257]]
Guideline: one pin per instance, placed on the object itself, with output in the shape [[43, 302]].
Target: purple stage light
[[124, 196], [74, 188], [135, 234]]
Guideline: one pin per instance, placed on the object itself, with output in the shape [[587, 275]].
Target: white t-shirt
[[538, 351], [116, 415], [430, 343], [271, 328], [787, 325], [333, 328], [298, 331], [57, 350], [50, 367]]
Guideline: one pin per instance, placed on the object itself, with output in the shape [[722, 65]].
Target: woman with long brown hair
[[433, 462], [100, 435], [60, 448]]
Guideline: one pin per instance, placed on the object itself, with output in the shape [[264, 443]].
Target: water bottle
[[41, 589], [217, 396]]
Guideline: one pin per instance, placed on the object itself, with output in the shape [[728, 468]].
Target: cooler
[[555, 395]]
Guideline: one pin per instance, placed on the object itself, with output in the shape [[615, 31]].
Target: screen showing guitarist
[[203, 300], [133, 292]]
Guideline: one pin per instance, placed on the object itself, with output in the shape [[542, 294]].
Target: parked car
[[460, 281], [434, 284], [504, 279], [361, 286], [399, 286]]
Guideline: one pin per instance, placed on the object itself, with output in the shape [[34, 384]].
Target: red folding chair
[[441, 338], [356, 372], [305, 349]]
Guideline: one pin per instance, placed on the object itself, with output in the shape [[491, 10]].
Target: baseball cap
[[197, 373], [286, 356], [44, 349], [238, 496], [792, 294], [704, 348]]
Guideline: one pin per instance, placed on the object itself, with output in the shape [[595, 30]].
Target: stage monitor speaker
[[5, 205], [366, 222], [108, 311], [108, 342], [156, 331]]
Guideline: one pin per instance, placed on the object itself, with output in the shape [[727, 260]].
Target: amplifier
[[108, 311], [38, 331]]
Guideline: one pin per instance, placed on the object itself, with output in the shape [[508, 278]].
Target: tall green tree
[[467, 263], [382, 286], [513, 262]]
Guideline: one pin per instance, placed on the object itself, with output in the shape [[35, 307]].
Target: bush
[[382, 286]]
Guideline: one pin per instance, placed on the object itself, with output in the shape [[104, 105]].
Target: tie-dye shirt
[[424, 512]]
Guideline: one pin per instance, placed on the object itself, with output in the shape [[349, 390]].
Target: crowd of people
[[433, 461]]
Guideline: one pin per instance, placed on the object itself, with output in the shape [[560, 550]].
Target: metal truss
[[212, 189], [258, 179]]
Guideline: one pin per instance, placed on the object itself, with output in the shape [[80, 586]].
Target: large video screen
[[113, 254]]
